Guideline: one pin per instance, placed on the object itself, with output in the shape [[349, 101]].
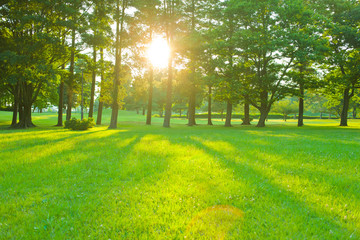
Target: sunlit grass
[[204, 182]]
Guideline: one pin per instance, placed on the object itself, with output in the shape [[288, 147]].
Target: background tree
[[269, 52], [285, 107], [76, 22], [170, 17], [32, 47], [305, 35], [227, 57], [343, 37], [119, 18]]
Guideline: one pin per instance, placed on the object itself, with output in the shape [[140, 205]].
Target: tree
[[309, 48], [120, 20], [33, 47], [76, 20], [285, 107], [343, 38], [227, 57], [269, 52], [98, 39], [145, 26], [170, 10], [219, 107], [192, 49], [319, 102], [107, 75]]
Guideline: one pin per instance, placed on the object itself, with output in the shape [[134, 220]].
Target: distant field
[[202, 182]]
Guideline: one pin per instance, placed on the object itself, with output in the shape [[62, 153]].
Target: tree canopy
[[232, 51]]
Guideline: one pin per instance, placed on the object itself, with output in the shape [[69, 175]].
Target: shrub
[[7, 108], [75, 124]]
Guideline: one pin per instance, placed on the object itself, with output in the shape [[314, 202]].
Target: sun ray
[[158, 52]]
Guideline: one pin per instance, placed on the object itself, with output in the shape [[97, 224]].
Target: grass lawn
[[148, 182]]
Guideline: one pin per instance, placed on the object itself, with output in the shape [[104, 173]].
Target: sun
[[158, 52]]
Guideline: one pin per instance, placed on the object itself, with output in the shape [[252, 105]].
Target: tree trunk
[[168, 95], [329, 115], [264, 109], [16, 105], [99, 113], [26, 96], [301, 106], [169, 35], [246, 113], [100, 108], [228, 114], [21, 111], [61, 88], [151, 88], [92, 94], [61, 101], [192, 100], [345, 108], [180, 112], [321, 115], [222, 115], [71, 82], [262, 119], [209, 106], [26, 121]]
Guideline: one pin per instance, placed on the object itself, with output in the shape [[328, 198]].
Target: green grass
[[148, 182]]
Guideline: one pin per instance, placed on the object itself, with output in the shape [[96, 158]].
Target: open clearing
[[149, 182]]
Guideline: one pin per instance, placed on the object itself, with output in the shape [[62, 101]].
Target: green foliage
[[8, 108], [285, 107], [76, 124]]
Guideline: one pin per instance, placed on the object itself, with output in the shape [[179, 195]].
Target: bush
[[7, 108], [75, 124]]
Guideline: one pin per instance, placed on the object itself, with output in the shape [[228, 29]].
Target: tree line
[[253, 52]]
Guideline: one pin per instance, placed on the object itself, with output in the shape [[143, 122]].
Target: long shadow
[[151, 191], [96, 168], [95, 178], [273, 193], [343, 186], [293, 164], [46, 141], [76, 189]]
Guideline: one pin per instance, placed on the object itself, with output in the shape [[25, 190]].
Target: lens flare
[[158, 52], [214, 222]]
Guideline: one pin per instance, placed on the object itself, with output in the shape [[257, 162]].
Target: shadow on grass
[[307, 215], [77, 187], [99, 185]]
